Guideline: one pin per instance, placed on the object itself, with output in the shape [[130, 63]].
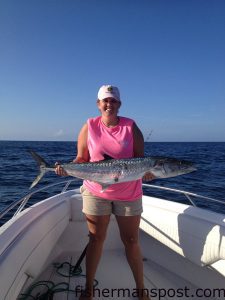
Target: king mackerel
[[112, 171]]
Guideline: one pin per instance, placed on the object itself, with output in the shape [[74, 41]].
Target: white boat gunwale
[[24, 200], [155, 231]]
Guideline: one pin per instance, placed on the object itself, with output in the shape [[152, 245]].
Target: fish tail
[[42, 167]]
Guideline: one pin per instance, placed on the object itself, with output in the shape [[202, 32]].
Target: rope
[[49, 288]]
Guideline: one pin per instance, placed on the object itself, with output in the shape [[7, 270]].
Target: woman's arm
[[82, 148], [82, 151], [139, 149], [138, 146]]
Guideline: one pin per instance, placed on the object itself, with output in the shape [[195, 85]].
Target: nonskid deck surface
[[115, 280]]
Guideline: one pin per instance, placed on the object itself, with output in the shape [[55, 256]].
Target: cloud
[[59, 133]]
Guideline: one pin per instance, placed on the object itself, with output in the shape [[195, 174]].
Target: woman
[[117, 137]]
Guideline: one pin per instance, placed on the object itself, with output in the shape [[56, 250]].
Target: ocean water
[[18, 170]]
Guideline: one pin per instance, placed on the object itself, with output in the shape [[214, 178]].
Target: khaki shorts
[[94, 205]]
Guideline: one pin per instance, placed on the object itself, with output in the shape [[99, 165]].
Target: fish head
[[176, 167], [186, 167], [171, 167]]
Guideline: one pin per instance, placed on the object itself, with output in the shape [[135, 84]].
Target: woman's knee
[[130, 241], [97, 226], [97, 238]]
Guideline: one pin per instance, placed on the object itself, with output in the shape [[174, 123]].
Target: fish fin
[[104, 186], [116, 179], [42, 166], [107, 157], [37, 179]]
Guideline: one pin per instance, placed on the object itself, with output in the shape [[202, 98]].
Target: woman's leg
[[97, 226], [129, 232]]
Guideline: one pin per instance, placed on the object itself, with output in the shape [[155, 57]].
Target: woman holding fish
[[111, 136]]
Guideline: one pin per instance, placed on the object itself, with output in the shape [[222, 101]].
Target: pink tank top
[[116, 142]]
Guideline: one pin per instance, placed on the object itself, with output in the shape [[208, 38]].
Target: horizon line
[[72, 141]]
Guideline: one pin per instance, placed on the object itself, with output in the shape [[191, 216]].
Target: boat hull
[[183, 247]]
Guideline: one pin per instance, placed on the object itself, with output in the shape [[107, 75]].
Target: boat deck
[[115, 280], [168, 275]]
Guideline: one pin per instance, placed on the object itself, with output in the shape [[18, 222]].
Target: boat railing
[[21, 203], [188, 195]]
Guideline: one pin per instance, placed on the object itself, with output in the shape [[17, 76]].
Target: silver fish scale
[[110, 171], [113, 171]]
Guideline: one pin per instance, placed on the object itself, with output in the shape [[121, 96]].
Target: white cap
[[109, 91]]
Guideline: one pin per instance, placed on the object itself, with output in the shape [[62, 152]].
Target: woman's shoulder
[[126, 120], [93, 120]]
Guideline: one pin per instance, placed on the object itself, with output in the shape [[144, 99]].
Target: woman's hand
[[59, 170], [148, 177]]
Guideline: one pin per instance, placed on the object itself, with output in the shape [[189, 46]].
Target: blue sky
[[167, 57]]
